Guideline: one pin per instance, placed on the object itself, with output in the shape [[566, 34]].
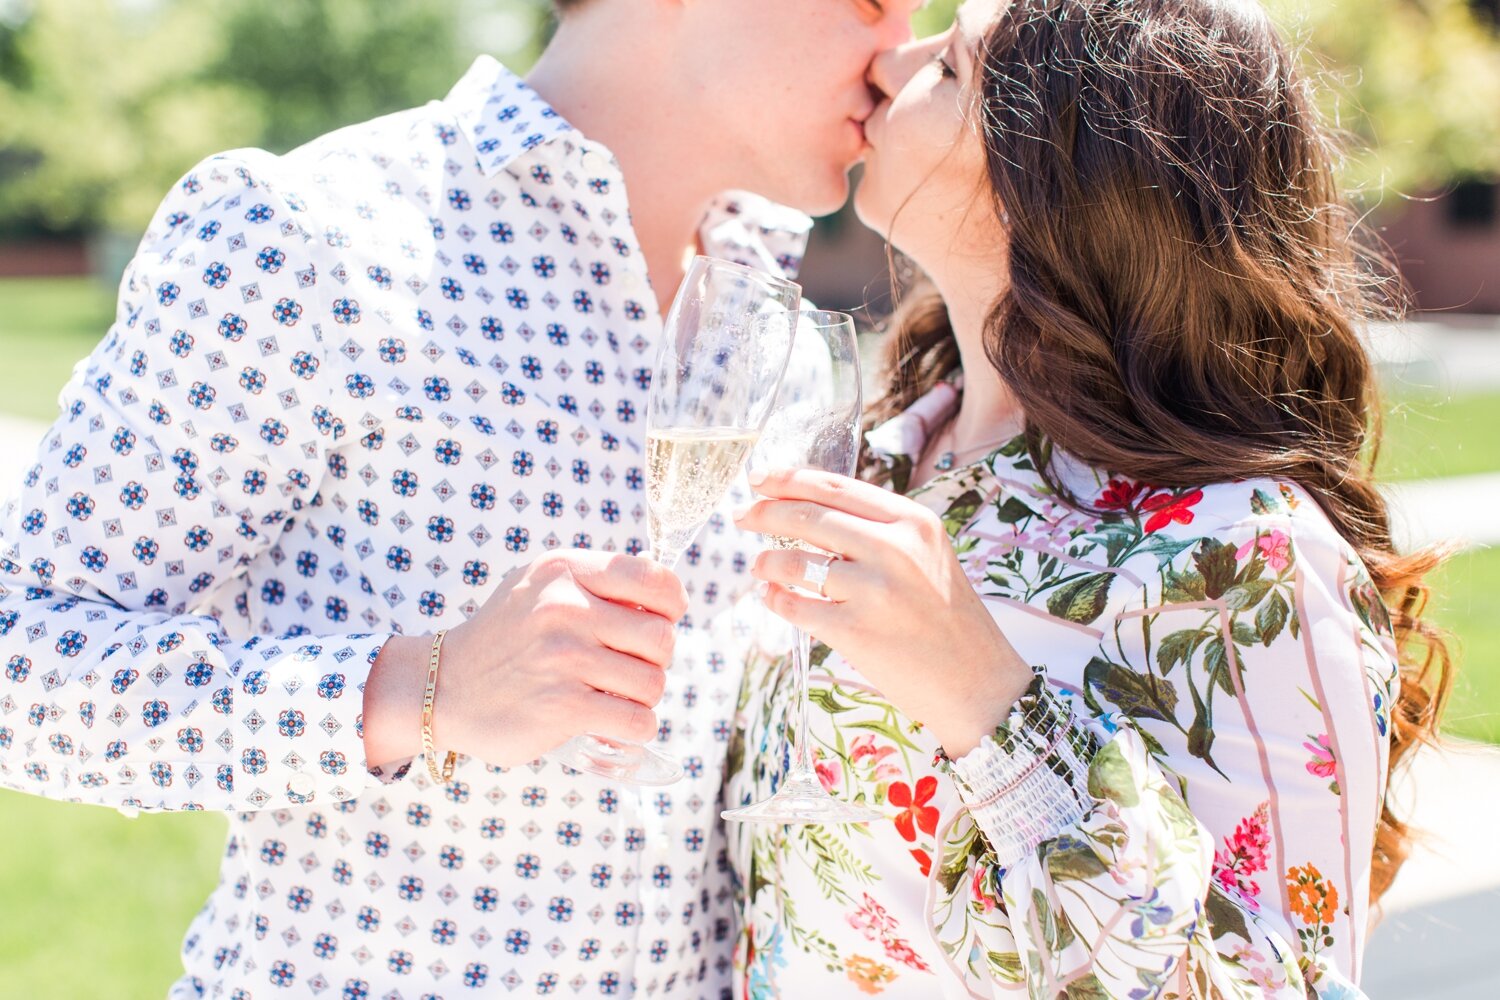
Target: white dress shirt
[[346, 391]]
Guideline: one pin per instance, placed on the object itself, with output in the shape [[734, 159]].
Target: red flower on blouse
[[1120, 494], [915, 812], [1169, 508], [924, 861]]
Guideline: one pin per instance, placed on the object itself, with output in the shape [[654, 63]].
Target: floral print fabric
[[1196, 783]]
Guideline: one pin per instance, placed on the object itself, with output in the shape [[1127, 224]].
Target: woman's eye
[[949, 73]]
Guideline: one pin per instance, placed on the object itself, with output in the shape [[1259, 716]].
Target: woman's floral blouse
[[1183, 805]]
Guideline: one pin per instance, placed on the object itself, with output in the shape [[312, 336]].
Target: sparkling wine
[[687, 473]]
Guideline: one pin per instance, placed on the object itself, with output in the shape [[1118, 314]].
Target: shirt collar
[[898, 442], [504, 119], [500, 115]]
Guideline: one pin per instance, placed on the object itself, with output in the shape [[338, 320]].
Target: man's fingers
[[630, 580], [625, 677], [828, 489], [614, 718], [637, 633]]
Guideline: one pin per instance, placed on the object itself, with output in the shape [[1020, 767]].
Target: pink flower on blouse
[[980, 888], [829, 773], [864, 747], [1276, 547], [1245, 854], [872, 920], [1322, 764]]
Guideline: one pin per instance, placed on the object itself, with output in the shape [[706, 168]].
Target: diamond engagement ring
[[816, 574]]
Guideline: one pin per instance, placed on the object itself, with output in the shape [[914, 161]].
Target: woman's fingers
[[813, 616], [819, 526], [827, 489], [796, 568]]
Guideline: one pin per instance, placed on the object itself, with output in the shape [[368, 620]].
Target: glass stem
[[802, 762]]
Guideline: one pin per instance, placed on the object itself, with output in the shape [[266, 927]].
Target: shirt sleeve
[[1216, 843], [188, 442]]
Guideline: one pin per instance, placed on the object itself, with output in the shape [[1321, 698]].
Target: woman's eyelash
[[948, 71]]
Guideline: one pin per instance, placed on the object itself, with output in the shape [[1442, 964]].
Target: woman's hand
[[899, 608]]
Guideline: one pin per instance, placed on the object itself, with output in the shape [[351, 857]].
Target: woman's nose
[[890, 70]]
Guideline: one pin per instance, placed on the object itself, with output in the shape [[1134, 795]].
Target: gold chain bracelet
[[429, 751]]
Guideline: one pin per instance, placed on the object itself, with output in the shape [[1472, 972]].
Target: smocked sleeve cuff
[[1028, 782]]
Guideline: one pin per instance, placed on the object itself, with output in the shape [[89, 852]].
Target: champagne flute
[[815, 424], [724, 349]]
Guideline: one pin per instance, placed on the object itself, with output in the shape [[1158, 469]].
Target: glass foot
[[625, 763], [802, 800]]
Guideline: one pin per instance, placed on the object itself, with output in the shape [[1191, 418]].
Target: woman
[[1108, 631]]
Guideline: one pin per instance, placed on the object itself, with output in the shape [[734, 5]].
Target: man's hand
[[575, 642]]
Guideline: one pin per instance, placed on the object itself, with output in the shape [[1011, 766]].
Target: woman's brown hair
[[1187, 285]]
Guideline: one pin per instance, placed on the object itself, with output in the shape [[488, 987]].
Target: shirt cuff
[[1028, 782], [312, 747]]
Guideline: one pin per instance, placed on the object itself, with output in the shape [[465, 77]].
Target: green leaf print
[[1271, 618], [1074, 860], [1247, 595], [1110, 776], [1215, 560], [961, 511], [1224, 917], [1083, 599], [1185, 587], [1006, 965], [1216, 664], [1013, 511], [1086, 988], [1058, 933], [1262, 502], [1178, 648], [1165, 548], [1136, 695]]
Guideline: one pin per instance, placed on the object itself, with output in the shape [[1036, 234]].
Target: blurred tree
[[1415, 83], [105, 103]]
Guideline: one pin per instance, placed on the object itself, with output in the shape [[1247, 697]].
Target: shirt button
[[595, 163], [633, 283], [301, 784]]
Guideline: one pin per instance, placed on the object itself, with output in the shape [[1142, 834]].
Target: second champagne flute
[[724, 350], [815, 425]]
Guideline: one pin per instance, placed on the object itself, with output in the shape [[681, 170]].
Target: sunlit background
[[105, 103]]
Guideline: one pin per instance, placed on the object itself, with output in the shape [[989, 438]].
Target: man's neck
[[612, 92]]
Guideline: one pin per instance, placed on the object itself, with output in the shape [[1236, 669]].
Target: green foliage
[[104, 104], [1414, 83]]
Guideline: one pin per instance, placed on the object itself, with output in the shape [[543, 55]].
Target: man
[[391, 383]]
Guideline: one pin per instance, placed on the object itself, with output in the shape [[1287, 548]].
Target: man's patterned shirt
[[347, 390]]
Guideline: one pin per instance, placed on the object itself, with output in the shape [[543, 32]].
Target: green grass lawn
[[46, 325], [1427, 436], [1464, 603], [93, 904]]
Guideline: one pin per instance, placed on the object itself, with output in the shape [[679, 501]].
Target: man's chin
[[821, 199]]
